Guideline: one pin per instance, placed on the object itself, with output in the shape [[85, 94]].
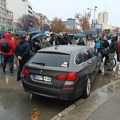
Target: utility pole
[[94, 9]]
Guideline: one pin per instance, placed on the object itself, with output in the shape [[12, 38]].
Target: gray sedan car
[[63, 72]]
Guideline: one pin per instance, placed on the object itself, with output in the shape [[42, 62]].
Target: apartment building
[[71, 23], [6, 16], [103, 18], [20, 8], [43, 21]]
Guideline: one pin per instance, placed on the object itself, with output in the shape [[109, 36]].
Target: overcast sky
[[68, 8]]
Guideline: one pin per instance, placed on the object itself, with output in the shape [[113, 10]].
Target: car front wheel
[[87, 89]]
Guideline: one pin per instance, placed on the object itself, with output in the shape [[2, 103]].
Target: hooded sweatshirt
[[7, 37]]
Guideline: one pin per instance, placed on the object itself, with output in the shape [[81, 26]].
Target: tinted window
[[78, 59], [50, 59], [87, 54]]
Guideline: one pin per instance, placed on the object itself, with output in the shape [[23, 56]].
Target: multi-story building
[[6, 16], [43, 21], [20, 8], [71, 23], [103, 18]]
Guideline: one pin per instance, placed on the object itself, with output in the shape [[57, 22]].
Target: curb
[[74, 105]]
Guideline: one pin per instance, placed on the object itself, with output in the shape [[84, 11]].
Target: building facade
[[71, 23], [103, 18], [6, 16], [20, 8], [44, 23]]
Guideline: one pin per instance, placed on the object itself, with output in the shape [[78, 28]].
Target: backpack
[[5, 47]]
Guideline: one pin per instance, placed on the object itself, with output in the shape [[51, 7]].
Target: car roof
[[63, 48]]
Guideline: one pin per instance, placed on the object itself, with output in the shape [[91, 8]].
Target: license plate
[[42, 78]]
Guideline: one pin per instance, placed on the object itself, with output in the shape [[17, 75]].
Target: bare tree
[[57, 25], [83, 20], [28, 22], [24, 21]]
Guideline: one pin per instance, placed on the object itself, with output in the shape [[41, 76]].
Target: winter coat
[[44, 45], [23, 49], [7, 38], [16, 40], [112, 46], [118, 47]]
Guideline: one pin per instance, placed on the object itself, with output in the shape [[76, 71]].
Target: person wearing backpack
[[7, 47]]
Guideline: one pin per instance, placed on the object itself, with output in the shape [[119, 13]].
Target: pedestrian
[[118, 50], [1, 55], [91, 44], [7, 47], [16, 39], [22, 53], [97, 45], [111, 53], [104, 47], [35, 46], [44, 43], [53, 40], [81, 42]]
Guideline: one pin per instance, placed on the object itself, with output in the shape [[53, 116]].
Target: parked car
[[64, 72]]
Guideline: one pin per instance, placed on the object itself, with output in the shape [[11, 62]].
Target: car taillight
[[69, 76], [25, 71]]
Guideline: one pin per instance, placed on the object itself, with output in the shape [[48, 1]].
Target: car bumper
[[61, 94]]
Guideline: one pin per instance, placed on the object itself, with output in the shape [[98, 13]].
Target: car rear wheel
[[86, 92]]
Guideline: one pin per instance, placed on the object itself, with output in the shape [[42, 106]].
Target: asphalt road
[[15, 103]]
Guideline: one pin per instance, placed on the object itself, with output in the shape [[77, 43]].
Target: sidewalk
[[103, 104]]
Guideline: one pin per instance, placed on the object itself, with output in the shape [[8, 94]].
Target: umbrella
[[2, 32], [20, 33], [32, 29], [79, 35], [34, 32], [39, 35], [90, 32]]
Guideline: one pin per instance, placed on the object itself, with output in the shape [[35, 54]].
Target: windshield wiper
[[39, 63]]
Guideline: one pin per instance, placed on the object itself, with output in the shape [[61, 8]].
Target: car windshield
[[51, 59]]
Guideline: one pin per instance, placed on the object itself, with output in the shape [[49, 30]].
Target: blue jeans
[[1, 59], [8, 59]]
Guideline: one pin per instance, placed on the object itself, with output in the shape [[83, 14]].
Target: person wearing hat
[[44, 43]]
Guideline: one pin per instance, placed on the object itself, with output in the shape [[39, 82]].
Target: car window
[[87, 54], [51, 59], [78, 58]]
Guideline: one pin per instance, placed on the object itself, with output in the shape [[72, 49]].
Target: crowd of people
[[20, 48]]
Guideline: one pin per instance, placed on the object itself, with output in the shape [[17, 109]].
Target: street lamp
[[94, 9]]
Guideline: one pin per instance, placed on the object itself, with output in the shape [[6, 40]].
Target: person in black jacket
[[104, 46], [111, 53], [22, 53]]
